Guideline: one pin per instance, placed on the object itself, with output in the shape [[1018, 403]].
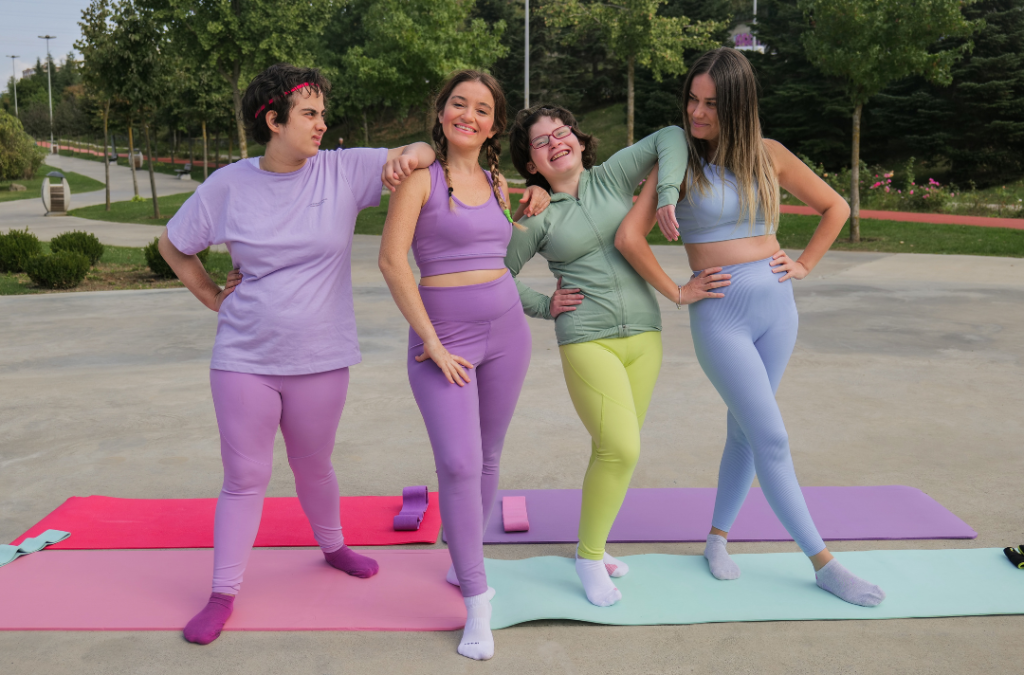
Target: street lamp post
[[14, 81], [526, 68], [49, 85]]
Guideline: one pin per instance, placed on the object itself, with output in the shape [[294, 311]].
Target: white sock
[[596, 582], [477, 642], [451, 577], [616, 568], [722, 566]]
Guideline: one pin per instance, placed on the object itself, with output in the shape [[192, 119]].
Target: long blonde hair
[[741, 148], [492, 146]]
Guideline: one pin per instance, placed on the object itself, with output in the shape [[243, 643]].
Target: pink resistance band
[[287, 93]]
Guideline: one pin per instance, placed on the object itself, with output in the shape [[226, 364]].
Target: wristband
[[679, 304]]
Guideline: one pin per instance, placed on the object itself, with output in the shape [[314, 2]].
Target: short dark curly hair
[[519, 140], [273, 84]]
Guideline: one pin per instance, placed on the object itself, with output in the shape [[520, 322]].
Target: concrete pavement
[[909, 370], [31, 214]]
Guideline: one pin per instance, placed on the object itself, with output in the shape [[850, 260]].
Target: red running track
[[198, 164]]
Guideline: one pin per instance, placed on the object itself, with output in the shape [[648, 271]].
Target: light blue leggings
[[743, 343]]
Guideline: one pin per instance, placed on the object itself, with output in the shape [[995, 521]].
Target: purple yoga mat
[[684, 514]]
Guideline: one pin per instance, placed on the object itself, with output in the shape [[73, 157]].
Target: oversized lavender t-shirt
[[291, 236]]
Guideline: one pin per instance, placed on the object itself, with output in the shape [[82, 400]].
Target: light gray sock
[[841, 583], [721, 565]]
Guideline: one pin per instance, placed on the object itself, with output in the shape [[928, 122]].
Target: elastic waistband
[[744, 268], [476, 302]]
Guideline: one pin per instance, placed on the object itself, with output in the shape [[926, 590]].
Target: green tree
[[97, 49], [869, 44], [412, 46], [804, 110], [19, 155], [136, 71], [928, 120], [240, 39], [637, 34]]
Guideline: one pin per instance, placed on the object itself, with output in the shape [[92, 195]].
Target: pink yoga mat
[[684, 514], [283, 590], [109, 522]]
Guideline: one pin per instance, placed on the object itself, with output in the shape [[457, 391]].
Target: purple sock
[[205, 626], [350, 562]]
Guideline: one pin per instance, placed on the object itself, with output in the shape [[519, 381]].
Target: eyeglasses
[[559, 133]]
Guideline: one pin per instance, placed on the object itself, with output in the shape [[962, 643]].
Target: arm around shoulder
[[525, 244]]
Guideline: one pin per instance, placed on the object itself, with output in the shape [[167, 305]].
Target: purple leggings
[[249, 410], [484, 324]]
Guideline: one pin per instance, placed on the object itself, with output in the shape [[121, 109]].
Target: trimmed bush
[[159, 266], [62, 270], [16, 247], [81, 242], [20, 157]]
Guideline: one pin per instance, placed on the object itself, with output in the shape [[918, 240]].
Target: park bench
[[183, 171]]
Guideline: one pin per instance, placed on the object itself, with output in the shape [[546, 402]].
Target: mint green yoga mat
[[9, 553], [669, 589]]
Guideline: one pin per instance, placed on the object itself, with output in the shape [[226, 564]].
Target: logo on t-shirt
[[316, 204]]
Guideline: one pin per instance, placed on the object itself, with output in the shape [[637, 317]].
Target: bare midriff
[[463, 278], [731, 252]]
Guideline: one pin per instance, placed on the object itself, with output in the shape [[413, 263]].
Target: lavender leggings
[[249, 410], [484, 324]]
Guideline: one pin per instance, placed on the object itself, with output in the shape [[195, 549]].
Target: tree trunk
[[191, 150], [236, 95], [216, 150], [131, 158], [206, 154], [366, 130], [629, 104], [174, 144], [855, 177], [106, 155], [152, 179], [229, 149]]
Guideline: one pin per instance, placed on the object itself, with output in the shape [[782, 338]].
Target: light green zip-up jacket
[[577, 238]]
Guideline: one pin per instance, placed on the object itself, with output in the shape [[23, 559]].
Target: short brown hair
[[274, 83], [519, 140]]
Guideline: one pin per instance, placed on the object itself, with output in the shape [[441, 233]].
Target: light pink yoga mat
[[283, 590], [684, 514]]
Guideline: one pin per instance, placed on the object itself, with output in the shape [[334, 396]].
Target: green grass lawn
[[120, 268], [33, 187], [140, 213], [894, 237]]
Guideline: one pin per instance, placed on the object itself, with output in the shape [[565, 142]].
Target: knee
[[623, 453], [458, 468], [773, 446], [246, 477]]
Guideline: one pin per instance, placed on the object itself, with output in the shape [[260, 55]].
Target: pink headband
[[287, 93]]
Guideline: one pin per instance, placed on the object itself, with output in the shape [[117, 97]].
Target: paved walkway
[[31, 214], [909, 370]]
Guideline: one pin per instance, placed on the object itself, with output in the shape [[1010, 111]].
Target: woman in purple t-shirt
[[285, 337]]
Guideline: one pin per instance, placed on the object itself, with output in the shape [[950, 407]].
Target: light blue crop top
[[716, 215]]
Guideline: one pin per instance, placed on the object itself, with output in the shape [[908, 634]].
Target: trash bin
[[137, 156], [56, 196]]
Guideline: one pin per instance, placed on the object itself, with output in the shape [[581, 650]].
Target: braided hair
[[492, 145]]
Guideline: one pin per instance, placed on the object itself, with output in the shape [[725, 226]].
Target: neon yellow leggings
[[610, 383]]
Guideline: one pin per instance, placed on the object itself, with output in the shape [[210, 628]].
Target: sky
[[22, 20]]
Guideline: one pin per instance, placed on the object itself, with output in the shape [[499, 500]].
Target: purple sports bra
[[468, 238]]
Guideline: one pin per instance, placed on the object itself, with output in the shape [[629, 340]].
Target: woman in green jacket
[[606, 317]]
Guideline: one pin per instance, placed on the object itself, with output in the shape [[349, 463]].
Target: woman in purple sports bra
[[464, 316]]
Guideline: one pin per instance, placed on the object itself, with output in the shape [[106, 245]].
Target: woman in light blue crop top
[[465, 317], [744, 333]]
